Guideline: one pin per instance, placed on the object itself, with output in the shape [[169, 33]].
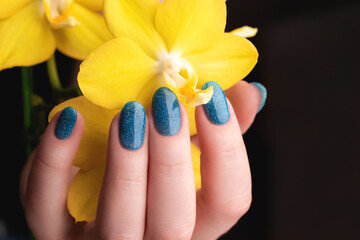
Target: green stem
[[53, 73], [27, 85]]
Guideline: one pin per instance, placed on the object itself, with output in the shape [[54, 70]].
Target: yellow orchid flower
[[180, 44], [31, 30]]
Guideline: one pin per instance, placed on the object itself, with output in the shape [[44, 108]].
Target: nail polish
[[216, 109], [263, 92], [66, 123], [132, 125], [166, 112]]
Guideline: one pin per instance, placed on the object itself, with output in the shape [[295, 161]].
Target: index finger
[[50, 176]]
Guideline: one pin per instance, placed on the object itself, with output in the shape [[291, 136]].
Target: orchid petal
[[134, 19], [245, 31], [95, 5], [190, 25], [79, 41], [195, 155], [228, 61], [115, 73], [146, 94], [93, 146], [9, 8], [84, 194], [26, 38], [191, 116]]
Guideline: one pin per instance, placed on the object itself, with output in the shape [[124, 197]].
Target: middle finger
[[122, 202], [171, 187]]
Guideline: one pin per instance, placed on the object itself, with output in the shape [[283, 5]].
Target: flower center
[[58, 13], [180, 76]]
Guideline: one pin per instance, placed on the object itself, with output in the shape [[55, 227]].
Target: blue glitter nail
[[166, 112], [132, 126], [263, 92], [216, 109], [66, 123]]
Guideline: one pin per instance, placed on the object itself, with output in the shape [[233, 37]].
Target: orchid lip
[[179, 75], [58, 13]]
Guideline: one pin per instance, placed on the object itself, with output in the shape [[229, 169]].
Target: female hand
[[148, 187]]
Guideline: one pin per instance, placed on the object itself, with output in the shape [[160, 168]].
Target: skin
[[149, 193]]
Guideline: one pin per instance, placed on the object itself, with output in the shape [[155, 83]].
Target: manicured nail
[[66, 123], [166, 112], [132, 125], [216, 109], [263, 92]]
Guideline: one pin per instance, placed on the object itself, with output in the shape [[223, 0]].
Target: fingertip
[[263, 94], [66, 124], [247, 100], [167, 114], [129, 127]]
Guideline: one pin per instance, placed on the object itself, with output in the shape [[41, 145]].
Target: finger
[[247, 100], [171, 188], [225, 194], [50, 175], [25, 175], [122, 203]]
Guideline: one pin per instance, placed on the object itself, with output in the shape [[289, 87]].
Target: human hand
[[149, 192]]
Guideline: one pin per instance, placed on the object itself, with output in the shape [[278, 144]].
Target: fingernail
[[263, 92], [166, 112], [132, 125], [216, 109], [66, 123]]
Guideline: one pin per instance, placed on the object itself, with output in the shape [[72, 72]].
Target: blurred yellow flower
[[31, 30], [180, 44]]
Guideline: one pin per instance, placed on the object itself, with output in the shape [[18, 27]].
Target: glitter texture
[[132, 126], [66, 123], [216, 109], [263, 92], [166, 112]]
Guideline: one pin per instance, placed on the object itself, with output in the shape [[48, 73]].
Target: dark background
[[304, 145]]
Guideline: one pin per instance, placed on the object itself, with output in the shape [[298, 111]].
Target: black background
[[304, 145]]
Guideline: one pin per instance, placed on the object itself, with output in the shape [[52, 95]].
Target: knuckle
[[238, 206], [129, 182], [180, 232], [172, 165], [118, 236], [46, 165], [235, 207], [231, 151]]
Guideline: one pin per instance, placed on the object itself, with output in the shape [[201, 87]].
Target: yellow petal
[[86, 186], [84, 193], [79, 41], [115, 73], [95, 5], [228, 61], [9, 8], [93, 146], [245, 31], [190, 25], [146, 94], [26, 38], [145, 98], [191, 116], [134, 19], [201, 97], [195, 154]]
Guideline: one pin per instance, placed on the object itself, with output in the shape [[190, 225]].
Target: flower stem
[[53, 73], [27, 86]]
